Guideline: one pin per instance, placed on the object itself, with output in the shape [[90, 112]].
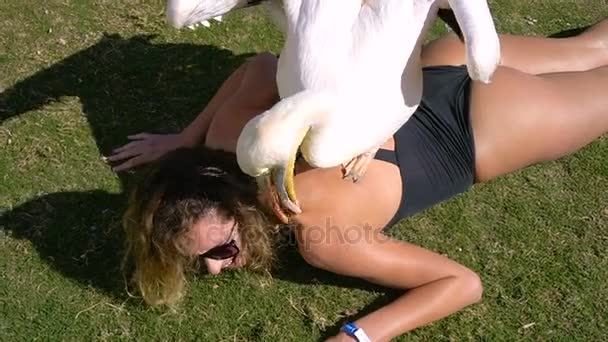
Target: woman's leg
[[533, 55], [521, 119]]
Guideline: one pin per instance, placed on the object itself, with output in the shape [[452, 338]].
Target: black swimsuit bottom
[[435, 149]]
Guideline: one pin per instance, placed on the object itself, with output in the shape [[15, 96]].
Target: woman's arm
[[195, 132], [145, 147], [437, 286]]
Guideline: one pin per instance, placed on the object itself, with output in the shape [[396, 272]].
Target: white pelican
[[349, 76]]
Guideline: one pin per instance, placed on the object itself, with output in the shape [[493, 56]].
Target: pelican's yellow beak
[[280, 186], [282, 178]]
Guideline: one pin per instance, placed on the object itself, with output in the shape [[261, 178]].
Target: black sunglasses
[[225, 251]]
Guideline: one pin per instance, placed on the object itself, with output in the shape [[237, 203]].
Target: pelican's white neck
[[272, 138], [304, 109]]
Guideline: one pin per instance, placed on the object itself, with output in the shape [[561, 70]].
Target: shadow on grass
[[125, 86], [77, 233], [570, 33]]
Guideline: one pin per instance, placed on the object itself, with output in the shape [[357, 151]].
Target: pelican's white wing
[[482, 43], [381, 82], [316, 51]]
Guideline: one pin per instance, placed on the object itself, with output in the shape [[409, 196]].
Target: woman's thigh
[[521, 119], [533, 55]]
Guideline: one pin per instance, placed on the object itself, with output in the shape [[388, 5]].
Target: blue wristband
[[355, 332]]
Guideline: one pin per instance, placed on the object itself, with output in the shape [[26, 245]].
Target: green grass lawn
[[77, 76]]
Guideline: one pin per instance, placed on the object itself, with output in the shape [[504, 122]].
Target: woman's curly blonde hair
[[175, 192]]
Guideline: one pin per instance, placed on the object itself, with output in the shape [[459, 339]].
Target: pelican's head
[[268, 144], [191, 13]]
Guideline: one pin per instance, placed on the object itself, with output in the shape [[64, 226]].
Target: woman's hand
[[145, 147]]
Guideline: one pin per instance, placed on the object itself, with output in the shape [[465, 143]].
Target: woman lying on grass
[[193, 206]]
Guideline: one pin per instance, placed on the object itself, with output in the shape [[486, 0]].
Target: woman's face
[[215, 233]]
